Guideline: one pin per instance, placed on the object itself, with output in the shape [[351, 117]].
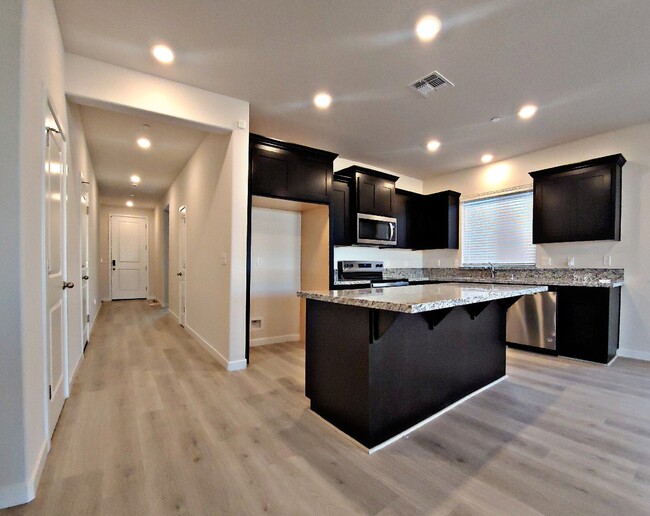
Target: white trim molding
[[633, 353], [24, 492], [262, 341], [232, 365]]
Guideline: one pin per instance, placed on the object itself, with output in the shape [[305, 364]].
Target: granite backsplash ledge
[[516, 275]]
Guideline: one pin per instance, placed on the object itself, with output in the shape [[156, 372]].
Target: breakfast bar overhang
[[381, 361]]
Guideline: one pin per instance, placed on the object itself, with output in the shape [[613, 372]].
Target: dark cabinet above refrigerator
[[290, 171]]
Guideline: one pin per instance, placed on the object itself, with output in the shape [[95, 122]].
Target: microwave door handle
[[392, 230]]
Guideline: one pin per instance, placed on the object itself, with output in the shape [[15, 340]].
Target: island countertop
[[422, 298]]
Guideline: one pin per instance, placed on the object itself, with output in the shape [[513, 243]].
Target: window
[[499, 230]]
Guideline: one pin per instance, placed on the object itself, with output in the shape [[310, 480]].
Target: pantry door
[[55, 283], [129, 257]]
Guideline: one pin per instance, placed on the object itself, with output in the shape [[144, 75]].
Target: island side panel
[[416, 371], [336, 365]]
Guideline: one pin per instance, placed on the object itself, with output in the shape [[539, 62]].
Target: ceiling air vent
[[432, 82]]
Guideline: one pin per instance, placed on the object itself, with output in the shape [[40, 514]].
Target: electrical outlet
[[259, 261], [224, 259], [607, 260], [256, 324], [570, 261]]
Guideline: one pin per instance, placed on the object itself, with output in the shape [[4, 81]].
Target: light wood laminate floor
[[155, 426]]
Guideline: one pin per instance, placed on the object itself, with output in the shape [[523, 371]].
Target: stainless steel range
[[372, 271]]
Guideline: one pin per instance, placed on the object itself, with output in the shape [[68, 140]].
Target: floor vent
[[432, 82]]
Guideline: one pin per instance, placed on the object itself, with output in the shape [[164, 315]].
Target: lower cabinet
[[588, 321]]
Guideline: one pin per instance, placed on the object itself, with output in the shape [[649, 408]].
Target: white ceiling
[[111, 138], [583, 62]]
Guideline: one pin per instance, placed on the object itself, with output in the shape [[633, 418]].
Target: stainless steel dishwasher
[[532, 321]]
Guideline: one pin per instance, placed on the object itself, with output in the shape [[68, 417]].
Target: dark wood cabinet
[[340, 221], [435, 221], [290, 171], [588, 322], [372, 192], [404, 212], [578, 202]]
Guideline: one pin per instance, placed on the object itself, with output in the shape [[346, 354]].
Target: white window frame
[[527, 189]]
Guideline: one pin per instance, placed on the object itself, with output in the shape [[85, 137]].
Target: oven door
[[376, 230]]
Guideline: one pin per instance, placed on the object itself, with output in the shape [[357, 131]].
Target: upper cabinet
[[372, 192], [436, 221], [290, 171], [340, 221], [578, 202]]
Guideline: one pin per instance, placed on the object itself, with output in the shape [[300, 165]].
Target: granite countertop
[[421, 298], [557, 277]]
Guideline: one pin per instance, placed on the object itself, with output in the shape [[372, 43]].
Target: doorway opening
[[289, 252]]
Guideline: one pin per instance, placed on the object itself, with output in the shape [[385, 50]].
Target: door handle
[[68, 284], [179, 274], [85, 277]]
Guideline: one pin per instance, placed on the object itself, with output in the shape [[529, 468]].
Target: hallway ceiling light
[[427, 28], [322, 100], [433, 145], [163, 54], [527, 111], [144, 143], [135, 179], [486, 158], [129, 204]]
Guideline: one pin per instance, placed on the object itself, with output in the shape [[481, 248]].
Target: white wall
[[205, 188], [218, 315], [633, 251], [391, 257], [105, 211], [13, 470], [275, 275], [32, 69]]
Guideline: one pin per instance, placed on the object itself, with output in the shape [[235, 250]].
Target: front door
[[55, 310], [128, 241], [182, 243]]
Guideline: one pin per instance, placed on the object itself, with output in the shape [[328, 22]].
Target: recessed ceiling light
[[163, 53], [486, 158], [322, 100], [427, 28], [527, 111], [129, 204], [433, 145], [135, 179], [143, 142]]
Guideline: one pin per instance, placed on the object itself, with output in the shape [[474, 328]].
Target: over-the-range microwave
[[376, 230]]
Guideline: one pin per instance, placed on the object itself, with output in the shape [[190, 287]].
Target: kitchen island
[[380, 362]]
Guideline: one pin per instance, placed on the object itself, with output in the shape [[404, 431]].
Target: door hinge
[[87, 210], [50, 390], [88, 318]]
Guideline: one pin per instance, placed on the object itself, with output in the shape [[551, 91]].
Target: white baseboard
[[232, 365], [633, 353], [24, 492], [262, 341]]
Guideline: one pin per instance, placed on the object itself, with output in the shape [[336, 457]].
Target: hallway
[[155, 426]]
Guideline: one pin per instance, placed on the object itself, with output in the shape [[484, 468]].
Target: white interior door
[[85, 272], [128, 241], [182, 257], [55, 284]]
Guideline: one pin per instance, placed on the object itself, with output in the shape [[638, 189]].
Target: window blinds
[[499, 230]]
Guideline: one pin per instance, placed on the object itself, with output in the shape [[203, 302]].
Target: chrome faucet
[[491, 270]]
